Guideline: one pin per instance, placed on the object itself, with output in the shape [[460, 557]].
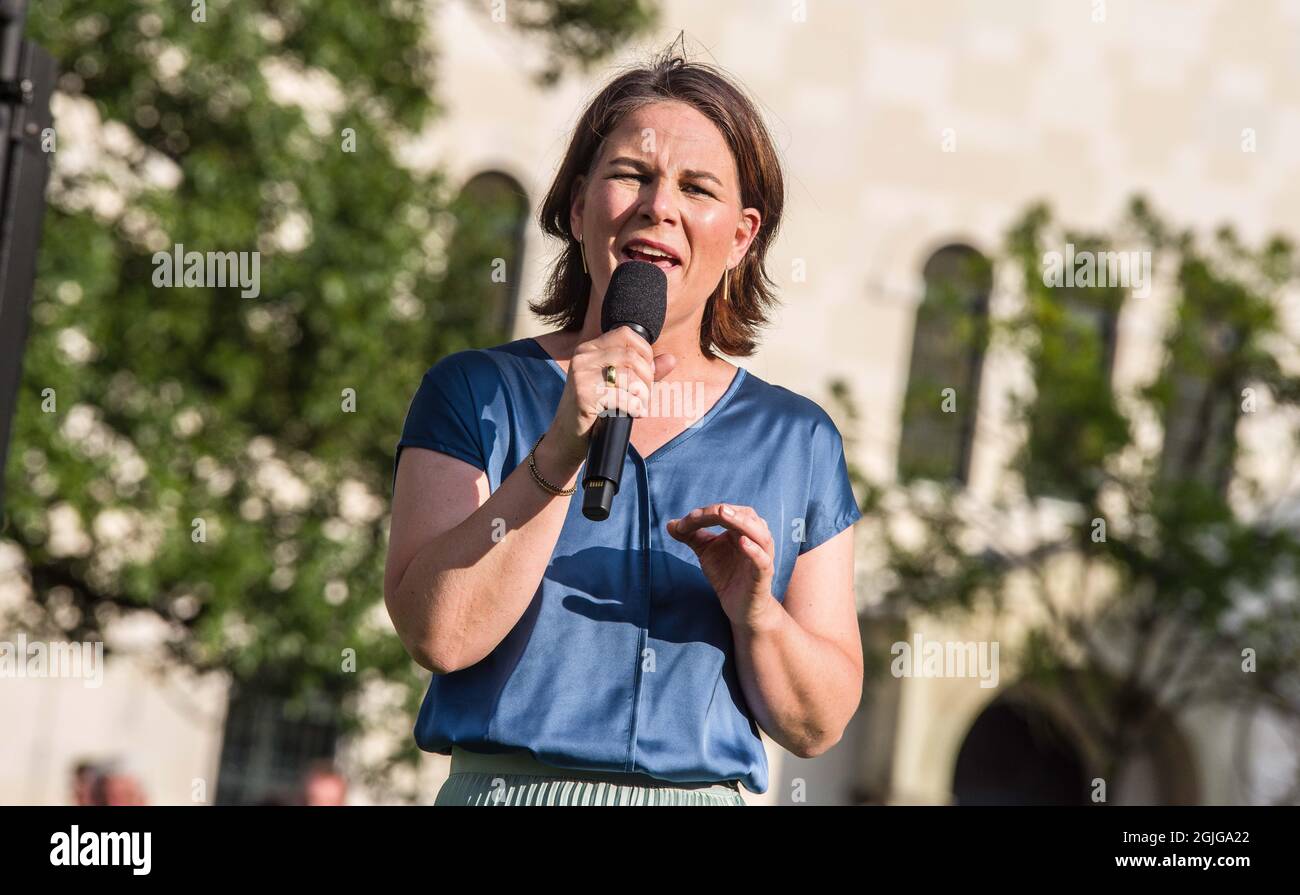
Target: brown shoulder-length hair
[[731, 327]]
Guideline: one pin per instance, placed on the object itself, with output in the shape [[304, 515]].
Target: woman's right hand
[[586, 393]]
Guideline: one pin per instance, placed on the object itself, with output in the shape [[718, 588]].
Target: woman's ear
[[577, 202], [746, 230]]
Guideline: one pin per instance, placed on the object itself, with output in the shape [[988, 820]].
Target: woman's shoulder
[[790, 406], [482, 366]]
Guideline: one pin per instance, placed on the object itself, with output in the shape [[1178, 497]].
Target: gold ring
[[611, 374]]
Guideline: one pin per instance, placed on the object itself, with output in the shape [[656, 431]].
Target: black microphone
[[637, 297]]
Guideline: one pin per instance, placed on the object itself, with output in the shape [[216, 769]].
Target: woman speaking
[[631, 660]]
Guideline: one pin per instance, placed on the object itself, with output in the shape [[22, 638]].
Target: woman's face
[[665, 180]]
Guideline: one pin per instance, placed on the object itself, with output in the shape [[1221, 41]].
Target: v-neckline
[[731, 389]]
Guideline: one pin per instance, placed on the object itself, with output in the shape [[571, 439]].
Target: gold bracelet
[[537, 476]]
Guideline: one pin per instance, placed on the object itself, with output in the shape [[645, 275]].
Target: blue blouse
[[624, 660]]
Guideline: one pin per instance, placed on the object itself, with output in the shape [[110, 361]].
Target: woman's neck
[[682, 341]]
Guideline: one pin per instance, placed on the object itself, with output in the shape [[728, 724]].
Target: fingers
[[632, 398], [699, 540], [624, 343], [635, 368], [630, 372], [626, 359], [664, 364], [623, 349], [742, 520], [621, 400], [760, 556]]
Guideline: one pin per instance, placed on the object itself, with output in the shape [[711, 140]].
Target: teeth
[[646, 250]]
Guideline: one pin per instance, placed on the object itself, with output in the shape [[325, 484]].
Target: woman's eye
[[645, 178]]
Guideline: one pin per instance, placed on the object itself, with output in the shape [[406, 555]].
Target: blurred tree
[[222, 463], [1152, 585]]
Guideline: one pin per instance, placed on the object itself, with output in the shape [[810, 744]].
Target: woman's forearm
[[467, 588], [802, 688]]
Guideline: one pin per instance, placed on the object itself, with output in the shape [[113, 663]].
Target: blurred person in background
[[324, 785], [84, 777], [117, 784]]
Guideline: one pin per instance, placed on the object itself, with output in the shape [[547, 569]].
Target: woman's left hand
[[738, 562]]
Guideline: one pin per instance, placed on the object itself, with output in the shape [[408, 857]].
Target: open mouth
[[636, 250]]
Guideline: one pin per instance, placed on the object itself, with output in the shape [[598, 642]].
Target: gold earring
[[726, 277], [583, 252]]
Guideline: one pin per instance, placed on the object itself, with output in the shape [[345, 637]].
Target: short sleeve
[[443, 416], [832, 506]]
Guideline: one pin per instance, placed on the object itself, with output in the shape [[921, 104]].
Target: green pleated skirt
[[516, 778]]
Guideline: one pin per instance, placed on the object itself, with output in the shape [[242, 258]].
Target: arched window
[[485, 257], [940, 404], [1074, 423], [1201, 411]]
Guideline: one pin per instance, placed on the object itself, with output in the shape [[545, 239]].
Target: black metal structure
[[27, 75]]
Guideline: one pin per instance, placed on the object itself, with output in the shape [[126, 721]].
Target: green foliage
[[579, 31], [198, 406], [1183, 579], [1069, 335]]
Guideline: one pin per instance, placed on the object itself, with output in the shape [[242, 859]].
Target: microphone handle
[[605, 455]]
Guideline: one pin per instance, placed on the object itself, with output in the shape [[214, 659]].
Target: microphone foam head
[[637, 293]]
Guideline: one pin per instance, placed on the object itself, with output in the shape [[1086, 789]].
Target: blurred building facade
[[911, 133]]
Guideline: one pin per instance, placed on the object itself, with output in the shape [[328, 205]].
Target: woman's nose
[[658, 202]]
